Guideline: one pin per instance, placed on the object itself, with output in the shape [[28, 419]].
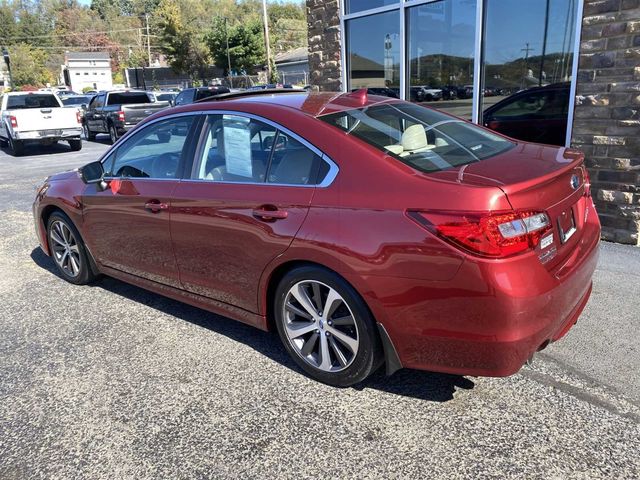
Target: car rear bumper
[[492, 316], [51, 134]]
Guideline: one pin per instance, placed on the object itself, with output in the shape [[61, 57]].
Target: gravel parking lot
[[110, 381]]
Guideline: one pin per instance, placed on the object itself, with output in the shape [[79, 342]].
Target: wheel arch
[[267, 302]]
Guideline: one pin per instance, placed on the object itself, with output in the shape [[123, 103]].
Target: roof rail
[[250, 93]]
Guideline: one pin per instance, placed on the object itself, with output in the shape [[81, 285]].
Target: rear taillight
[[494, 235], [78, 116], [121, 116], [14, 121]]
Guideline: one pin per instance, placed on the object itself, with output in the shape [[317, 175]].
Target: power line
[[52, 35]]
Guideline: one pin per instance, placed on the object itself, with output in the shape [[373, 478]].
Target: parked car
[[37, 117], [424, 94], [366, 231], [163, 96], [190, 95], [117, 112], [538, 114], [80, 102]]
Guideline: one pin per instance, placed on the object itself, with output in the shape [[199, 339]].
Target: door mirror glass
[[92, 172]]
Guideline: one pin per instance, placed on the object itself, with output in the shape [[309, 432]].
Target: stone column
[[607, 114], [325, 63]]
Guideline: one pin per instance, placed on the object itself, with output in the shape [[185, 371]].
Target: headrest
[[414, 138]]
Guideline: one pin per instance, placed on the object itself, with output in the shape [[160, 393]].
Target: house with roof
[[293, 66], [87, 69]]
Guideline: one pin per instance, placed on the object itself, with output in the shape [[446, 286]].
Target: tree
[[27, 65], [246, 44], [182, 25]]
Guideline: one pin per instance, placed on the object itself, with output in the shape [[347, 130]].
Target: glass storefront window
[[441, 41], [528, 58], [373, 46], [353, 6]]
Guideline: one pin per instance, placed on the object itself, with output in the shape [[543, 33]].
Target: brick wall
[[323, 22], [607, 115]]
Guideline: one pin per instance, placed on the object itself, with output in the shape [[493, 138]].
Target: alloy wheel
[[320, 326], [64, 246]]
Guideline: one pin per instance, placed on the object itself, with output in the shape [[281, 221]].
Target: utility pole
[[526, 51], [266, 39], [7, 60], [146, 17], [226, 36]]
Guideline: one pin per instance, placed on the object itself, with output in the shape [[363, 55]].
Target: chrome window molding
[[574, 73]]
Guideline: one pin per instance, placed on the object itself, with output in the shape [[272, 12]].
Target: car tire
[[113, 134], [339, 347], [3, 142], [68, 251], [16, 147], [88, 134], [75, 145]]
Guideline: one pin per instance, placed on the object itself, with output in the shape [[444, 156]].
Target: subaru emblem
[[575, 181]]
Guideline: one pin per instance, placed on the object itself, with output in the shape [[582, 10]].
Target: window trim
[[186, 159], [197, 157]]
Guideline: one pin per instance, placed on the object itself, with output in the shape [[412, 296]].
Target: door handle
[[156, 206], [267, 214]]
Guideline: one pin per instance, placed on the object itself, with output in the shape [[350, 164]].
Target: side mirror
[[92, 172]]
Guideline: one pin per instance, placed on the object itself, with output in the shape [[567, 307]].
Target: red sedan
[[365, 230]]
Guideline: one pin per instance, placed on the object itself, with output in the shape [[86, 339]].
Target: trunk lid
[[44, 119], [134, 113], [537, 178]]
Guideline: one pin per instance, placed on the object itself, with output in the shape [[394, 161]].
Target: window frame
[[199, 151], [186, 158]]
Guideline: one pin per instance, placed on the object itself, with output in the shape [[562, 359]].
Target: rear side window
[[32, 100], [538, 104], [240, 149], [211, 92], [424, 139], [128, 98]]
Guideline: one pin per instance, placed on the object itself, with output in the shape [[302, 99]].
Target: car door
[[94, 115], [250, 190], [127, 223]]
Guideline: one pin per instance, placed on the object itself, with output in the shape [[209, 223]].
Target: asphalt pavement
[[109, 381]]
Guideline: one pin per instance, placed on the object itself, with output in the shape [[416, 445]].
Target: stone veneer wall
[[607, 114], [323, 25]]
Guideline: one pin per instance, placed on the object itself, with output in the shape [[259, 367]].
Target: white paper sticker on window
[[237, 150]]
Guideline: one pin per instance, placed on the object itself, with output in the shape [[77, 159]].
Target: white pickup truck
[[37, 117]]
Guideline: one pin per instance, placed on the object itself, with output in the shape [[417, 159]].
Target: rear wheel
[[75, 144], [326, 327], [16, 147], [68, 250], [113, 134]]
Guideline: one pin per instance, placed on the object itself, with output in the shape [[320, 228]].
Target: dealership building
[[565, 72]]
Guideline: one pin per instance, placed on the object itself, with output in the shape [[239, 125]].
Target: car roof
[[311, 103]]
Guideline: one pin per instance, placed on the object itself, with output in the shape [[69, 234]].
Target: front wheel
[[68, 250], [326, 327], [88, 134], [113, 134], [75, 145]]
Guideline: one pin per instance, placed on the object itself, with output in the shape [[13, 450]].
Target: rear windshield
[[424, 139], [128, 98], [32, 100]]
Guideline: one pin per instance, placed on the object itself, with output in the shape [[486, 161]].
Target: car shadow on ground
[[35, 149], [429, 386]]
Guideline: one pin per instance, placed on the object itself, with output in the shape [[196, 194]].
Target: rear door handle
[[266, 214], [155, 206]]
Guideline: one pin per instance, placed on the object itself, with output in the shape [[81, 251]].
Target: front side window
[[154, 152], [424, 139]]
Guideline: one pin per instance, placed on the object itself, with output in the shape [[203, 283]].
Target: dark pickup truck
[[117, 112]]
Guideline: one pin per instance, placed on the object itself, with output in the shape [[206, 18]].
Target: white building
[[87, 69]]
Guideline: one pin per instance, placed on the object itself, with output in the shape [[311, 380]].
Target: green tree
[[181, 25], [28, 65], [246, 45]]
